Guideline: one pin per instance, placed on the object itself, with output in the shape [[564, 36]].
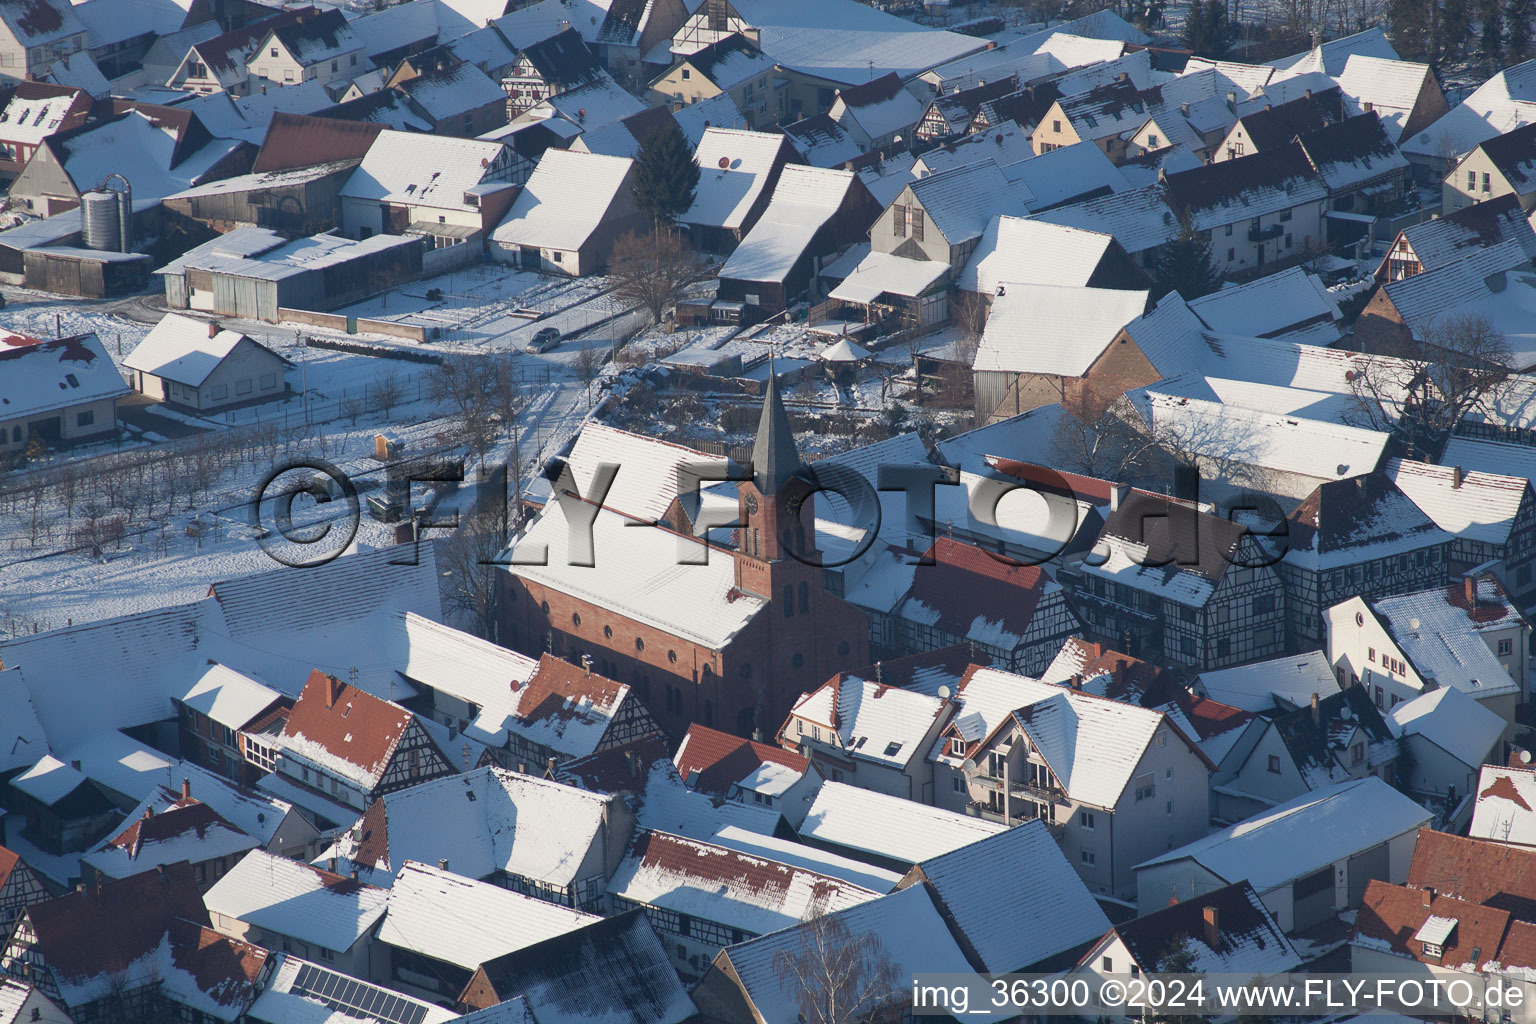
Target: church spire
[[774, 456]]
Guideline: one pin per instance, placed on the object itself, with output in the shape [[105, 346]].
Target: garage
[[1312, 899], [1364, 866]]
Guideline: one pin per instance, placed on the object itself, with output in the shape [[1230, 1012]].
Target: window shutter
[[917, 224]]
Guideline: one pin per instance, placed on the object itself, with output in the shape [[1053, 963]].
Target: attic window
[[859, 743], [891, 749], [346, 710], [73, 381], [957, 746]]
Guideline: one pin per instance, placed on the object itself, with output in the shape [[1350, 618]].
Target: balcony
[[1041, 794], [988, 813], [1265, 234]]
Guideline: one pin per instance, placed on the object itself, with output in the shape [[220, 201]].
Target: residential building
[[748, 772], [1016, 250], [20, 887], [1405, 94], [35, 33], [943, 216], [201, 366], [312, 48], [342, 748], [888, 831], [739, 172], [948, 115], [423, 946], [533, 836], [455, 96], [1292, 305], [1259, 209], [1330, 739], [62, 810], [1170, 581], [619, 965], [877, 115], [187, 830], [451, 191], [1113, 782], [701, 897], [1361, 168], [1498, 167], [297, 908], [20, 1001], [1434, 243], [1449, 738], [1361, 536], [56, 391], [1467, 635], [218, 63], [1263, 687], [569, 214], [868, 734], [1275, 126], [1308, 858], [1222, 931], [1014, 900], [34, 111], [1492, 517], [1504, 812], [733, 67], [551, 66]]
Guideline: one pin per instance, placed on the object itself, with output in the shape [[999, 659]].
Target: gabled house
[[533, 836], [35, 33], [1331, 739], [342, 748], [218, 63], [1019, 250], [1293, 305], [1013, 900], [1448, 737], [1502, 166], [1467, 635], [312, 48], [457, 98], [34, 111], [63, 811], [1106, 116], [1360, 536], [890, 832], [1434, 243], [701, 897], [868, 734], [1261, 129], [733, 67], [56, 391], [217, 716], [1405, 94], [201, 366], [943, 216], [1223, 931], [948, 116], [1308, 858], [569, 214], [1492, 517], [20, 887], [1360, 165], [878, 114], [547, 68], [748, 772], [1114, 783], [1168, 580], [187, 830], [619, 964], [450, 190], [739, 172]]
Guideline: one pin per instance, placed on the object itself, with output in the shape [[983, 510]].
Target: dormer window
[[957, 746]]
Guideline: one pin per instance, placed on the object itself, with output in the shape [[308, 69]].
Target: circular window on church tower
[[608, 632], [798, 661], [575, 619], [639, 644]]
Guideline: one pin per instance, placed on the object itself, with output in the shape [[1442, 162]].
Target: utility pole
[[304, 361]]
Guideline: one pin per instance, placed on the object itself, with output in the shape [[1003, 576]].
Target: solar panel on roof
[[356, 998]]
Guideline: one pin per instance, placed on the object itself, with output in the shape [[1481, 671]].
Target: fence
[[352, 324]]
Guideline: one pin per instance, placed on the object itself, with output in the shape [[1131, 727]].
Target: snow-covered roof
[[590, 105], [38, 22], [804, 200], [1248, 939], [300, 992], [843, 351], [22, 740], [669, 805], [480, 822], [464, 666], [49, 780], [1443, 639], [1348, 521], [1472, 505], [881, 273], [120, 763], [228, 697], [453, 91], [904, 929], [292, 898], [1391, 87], [418, 170], [1003, 144], [428, 909], [1503, 103], [1297, 837], [725, 886], [872, 721], [880, 107], [344, 731], [822, 141], [1506, 805], [29, 118], [1140, 219], [1452, 721], [1074, 51], [145, 152], [1291, 303], [651, 472], [320, 37], [565, 200], [889, 827], [960, 203], [1015, 897], [786, 851], [183, 349], [39, 377], [252, 812], [735, 167], [1017, 251], [78, 71], [155, 834], [644, 572], [1496, 458], [1293, 678], [716, 112], [1330, 57], [1054, 329]]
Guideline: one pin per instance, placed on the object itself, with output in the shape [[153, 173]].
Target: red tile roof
[[722, 760], [226, 970], [1055, 481], [1212, 717], [1476, 870], [1393, 913], [556, 689], [620, 769], [8, 861], [350, 723], [966, 583], [180, 818]]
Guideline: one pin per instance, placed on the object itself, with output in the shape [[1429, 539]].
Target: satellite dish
[[1525, 757], [1413, 624], [943, 693], [725, 162], [968, 765], [1345, 713]]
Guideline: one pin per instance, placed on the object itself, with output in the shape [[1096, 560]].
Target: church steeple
[[774, 456]]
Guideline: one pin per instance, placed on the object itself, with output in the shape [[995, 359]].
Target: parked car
[[546, 339]]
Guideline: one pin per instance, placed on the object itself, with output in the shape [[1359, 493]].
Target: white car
[[545, 340]]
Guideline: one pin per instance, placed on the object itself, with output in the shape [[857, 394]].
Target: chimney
[[1469, 590], [213, 328], [1184, 109], [1077, 680], [159, 870], [330, 865], [757, 735], [186, 789], [332, 690], [1117, 494], [352, 874], [1212, 920], [1317, 714], [586, 663], [549, 766], [1457, 476], [442, 865], [1232, 102], [149, 812], [1427, 895], [263, 90], [1309, 94]]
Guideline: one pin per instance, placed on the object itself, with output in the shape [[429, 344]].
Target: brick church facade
[[798, 636]]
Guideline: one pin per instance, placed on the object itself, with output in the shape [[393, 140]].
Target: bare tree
[[588, 365], [652, 270], [352, 408], [388, 390], [1110, 444], [1423, 386], [840, 977], [471, 580], [470, 386], [969, 312]]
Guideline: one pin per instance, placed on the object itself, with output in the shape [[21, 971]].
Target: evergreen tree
[[666, 175], [1409, 21], [1207, 31], [1517, 28], [1194, 25], [1183, 264], [1455, 27], [1491, 14]]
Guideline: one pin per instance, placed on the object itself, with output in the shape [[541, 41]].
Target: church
[[725, 630]]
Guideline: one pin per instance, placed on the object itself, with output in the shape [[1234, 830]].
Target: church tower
[[775, 508]]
